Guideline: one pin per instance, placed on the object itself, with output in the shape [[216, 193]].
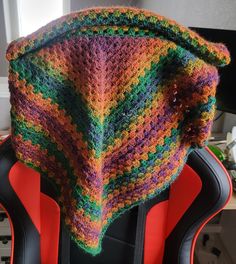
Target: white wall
[[199, 13], [79, 4], [4, 104], [4, 113]]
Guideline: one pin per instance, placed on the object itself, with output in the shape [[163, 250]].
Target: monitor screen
[[226, 91]]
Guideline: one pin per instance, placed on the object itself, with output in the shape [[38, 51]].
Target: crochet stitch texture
[[108, 103]]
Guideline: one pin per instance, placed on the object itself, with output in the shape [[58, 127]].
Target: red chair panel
[[26, 184], [50, 229], [155, 233], [182, 193]]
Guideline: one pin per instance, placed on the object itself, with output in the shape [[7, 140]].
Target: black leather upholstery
[[26, 236], [123, 242], [214, 193]]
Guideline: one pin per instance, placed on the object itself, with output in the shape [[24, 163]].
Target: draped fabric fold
[[108, 103]]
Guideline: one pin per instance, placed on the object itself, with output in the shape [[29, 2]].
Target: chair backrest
[[164, 229], [146, 234], [25, 228]]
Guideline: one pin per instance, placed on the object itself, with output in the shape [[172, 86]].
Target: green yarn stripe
[[29, 133]]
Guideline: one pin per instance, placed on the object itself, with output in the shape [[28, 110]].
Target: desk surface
[[232, 203]]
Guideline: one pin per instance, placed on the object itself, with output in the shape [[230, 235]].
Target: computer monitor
[[226, 91]]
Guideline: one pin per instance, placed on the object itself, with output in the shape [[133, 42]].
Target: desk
[[232, 203]]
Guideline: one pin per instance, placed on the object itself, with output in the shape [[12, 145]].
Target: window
[[35, 14], [23, 17]]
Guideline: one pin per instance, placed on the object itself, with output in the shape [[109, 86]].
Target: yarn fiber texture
[[108, 103]]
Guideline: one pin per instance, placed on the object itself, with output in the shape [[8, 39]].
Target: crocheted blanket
[[108, 103]]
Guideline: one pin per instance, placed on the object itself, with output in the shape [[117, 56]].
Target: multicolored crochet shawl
[[108, 103]]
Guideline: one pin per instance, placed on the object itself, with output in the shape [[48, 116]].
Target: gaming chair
[[161, 230]]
